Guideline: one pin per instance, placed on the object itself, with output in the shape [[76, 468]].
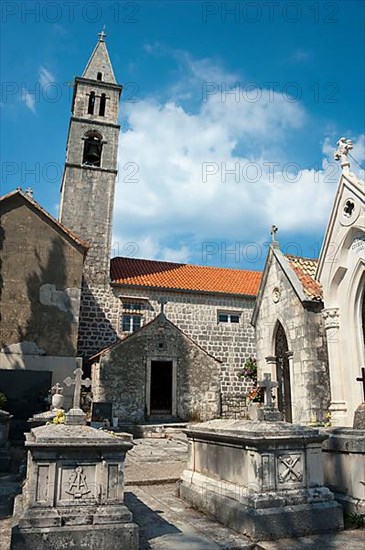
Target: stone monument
[[262, 478], [5, 457], [56, 404], [268, 412], [73, 496], [344, 460]]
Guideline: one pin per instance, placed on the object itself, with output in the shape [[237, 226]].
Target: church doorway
[[161, 388], [283, 373]]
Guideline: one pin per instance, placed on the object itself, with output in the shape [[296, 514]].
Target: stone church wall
[[195, 314], [121, 377], [306, 339]]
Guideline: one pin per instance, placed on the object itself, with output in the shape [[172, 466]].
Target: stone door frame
[[172, 360]]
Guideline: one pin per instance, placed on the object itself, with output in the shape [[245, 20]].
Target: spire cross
[[102, 35], [268, 385], [273, 232], [362, 379], [344, 146], [78, 383]]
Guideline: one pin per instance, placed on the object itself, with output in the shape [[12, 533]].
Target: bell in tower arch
[[92, 149]]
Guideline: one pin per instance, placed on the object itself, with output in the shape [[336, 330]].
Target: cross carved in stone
[[268, 385], [344, 146], [362, 379], [78, 383]]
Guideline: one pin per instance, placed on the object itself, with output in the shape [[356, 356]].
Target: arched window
[[102, 105], [90, 108], [93, 146], [99, 76]]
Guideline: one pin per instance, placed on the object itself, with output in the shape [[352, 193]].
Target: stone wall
[[306, 339], [193, 313], [122, 375], [41, 270]]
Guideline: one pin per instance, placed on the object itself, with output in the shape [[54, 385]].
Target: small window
[[99, 76], [131, 323], [132, 306], [102, 105], [228, 317], [91, 105]]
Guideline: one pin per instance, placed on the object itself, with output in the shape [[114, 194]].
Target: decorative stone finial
[[102, 35], [344, 146], [29, 192], [274, 230]]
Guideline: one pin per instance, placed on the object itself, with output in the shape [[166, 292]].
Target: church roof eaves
[[46, 214], [155, 319], [173, 276]]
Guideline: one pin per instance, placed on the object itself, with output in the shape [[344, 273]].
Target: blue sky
[[297, 73]]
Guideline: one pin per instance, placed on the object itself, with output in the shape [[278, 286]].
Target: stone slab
[[94, 537], [269, 523], [351, 540]]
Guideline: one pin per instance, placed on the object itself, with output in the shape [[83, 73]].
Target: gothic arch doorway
[[283, 373]]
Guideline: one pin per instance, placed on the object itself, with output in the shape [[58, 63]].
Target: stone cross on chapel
[[344, 146], [162, 302], [268, 385]]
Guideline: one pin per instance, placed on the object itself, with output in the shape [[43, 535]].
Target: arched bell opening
[[93, 146]]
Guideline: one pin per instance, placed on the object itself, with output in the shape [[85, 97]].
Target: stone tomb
[[73, 495], [263, 479]]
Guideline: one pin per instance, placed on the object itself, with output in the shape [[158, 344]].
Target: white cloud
[[45, 77], [166, 205], [28, 99]]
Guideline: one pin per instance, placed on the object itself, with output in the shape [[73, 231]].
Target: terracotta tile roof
[[169, 275], [305, 270]]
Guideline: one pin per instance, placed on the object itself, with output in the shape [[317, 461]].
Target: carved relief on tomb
[[358, 244], [77, 483], [290, 468]]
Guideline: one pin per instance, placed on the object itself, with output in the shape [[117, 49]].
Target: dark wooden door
[[283, 373]]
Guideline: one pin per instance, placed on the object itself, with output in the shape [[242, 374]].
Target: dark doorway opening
[[161, 388], [283, 373]]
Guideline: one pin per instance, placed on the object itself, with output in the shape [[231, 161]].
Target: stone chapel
[[170, 339]]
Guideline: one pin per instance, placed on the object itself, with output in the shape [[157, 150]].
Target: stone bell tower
[[88, 185]]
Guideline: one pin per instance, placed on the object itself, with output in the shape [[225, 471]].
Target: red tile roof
[[305, 270], [169, 275]]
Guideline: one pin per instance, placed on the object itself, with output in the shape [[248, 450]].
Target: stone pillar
[[338, 406], [271, 368], [296, 410]]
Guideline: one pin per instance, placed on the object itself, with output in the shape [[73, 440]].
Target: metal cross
[[268, 385], [78, 383], [102, 35], [362, 379], [162, 302]]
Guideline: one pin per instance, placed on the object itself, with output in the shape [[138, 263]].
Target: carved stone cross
[[362, 379], [78, 383], [273, 232], [268, 385], [344, 146]]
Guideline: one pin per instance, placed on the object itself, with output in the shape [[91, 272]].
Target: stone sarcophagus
[[264, 479], [73, 494]]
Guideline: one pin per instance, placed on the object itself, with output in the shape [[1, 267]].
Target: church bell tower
[[88, 184]]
